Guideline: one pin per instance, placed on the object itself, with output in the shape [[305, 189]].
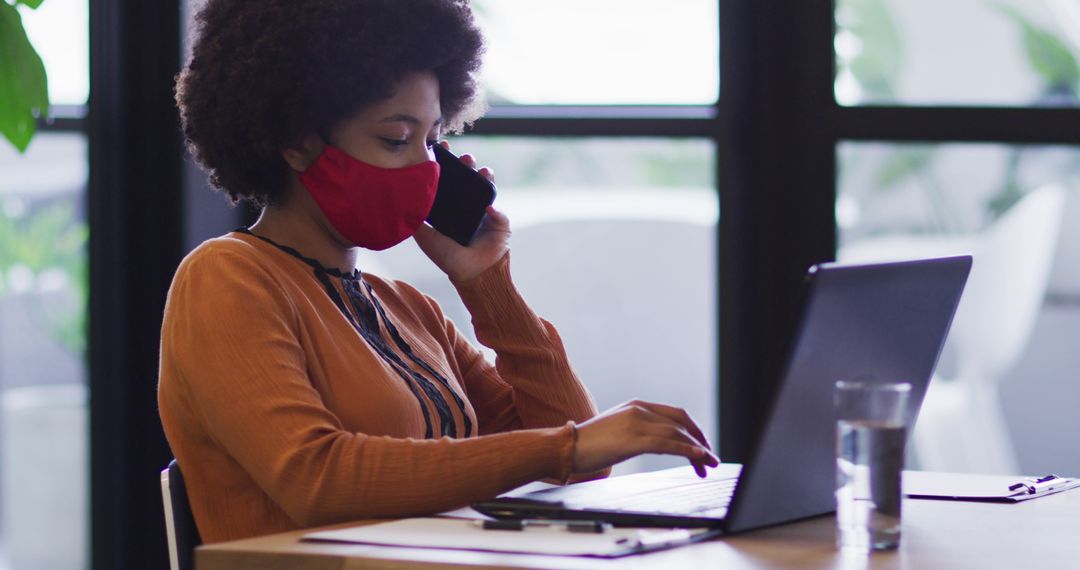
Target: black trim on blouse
[[366, 324], [407, 350], [310, 261]]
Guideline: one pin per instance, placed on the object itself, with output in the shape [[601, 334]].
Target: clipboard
[[458, 534], [962, 487]]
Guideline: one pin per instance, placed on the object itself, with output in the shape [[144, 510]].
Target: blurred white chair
[[961, 426], [635, 303]]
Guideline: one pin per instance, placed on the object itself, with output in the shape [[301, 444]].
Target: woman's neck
[[297, 222]]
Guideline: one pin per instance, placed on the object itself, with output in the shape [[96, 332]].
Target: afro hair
[[265, 74]]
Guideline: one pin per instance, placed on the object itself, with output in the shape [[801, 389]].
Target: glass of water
[[870, 436]]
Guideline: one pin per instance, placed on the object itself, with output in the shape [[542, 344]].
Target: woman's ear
[[301, 154]]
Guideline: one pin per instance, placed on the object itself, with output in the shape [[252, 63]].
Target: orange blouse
[[296, 396]]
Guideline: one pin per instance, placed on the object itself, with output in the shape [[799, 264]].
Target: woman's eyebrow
[[406, 118]]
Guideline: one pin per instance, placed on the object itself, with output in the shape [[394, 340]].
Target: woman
[[297, 391]]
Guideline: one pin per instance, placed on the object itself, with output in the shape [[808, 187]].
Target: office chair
[[179, 523], [634, 302]]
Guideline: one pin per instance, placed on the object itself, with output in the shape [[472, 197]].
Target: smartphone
[[461, 199]]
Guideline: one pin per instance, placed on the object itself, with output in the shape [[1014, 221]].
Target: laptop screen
[[882, 322]]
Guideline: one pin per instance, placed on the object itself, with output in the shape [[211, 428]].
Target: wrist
[[470, 276], [572, 453]]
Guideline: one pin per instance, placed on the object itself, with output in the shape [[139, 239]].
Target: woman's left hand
[[490, 244]]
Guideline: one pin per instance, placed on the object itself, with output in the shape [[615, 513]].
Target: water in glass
[[869, 462]]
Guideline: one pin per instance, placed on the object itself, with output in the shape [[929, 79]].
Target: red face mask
[[370, 206]]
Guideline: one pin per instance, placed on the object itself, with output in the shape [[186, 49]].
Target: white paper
[[458, 534], [961, 486]]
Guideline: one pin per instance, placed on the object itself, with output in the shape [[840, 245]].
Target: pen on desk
[[1039, 485], [522, 524]]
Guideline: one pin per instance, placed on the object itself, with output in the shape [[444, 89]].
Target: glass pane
[[44, 462], [615, 243], [601, 52], [961, 52], [1002, 399], [60, 31]]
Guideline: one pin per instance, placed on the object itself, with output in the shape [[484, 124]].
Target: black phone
[[461, 199]]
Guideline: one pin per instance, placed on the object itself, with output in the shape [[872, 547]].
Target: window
[[59, 31], [601, 52], [987, 174], [44, 419], [964, 52]]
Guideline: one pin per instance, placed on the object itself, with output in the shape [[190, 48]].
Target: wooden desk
[[1037, 534]]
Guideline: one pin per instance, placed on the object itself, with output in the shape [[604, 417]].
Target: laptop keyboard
[[707, 498]]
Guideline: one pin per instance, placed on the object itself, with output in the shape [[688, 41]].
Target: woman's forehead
[[415, 102]]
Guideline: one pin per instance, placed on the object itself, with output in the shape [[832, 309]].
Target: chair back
[[634, 302], [179, 523], [1007, 286]]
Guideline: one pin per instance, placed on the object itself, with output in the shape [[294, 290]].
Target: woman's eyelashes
[[398, 143], [393, 142]]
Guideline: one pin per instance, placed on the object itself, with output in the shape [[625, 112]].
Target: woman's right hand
[[638, 427]]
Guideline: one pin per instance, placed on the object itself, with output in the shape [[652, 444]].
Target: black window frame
[[136, 216]]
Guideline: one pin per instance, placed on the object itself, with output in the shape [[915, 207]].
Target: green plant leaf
[[879, 60], [32, 4], [901, 164], [1047, 55], [24, 88], [1051, 59]]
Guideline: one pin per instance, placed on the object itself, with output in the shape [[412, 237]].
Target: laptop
[[884, 321]]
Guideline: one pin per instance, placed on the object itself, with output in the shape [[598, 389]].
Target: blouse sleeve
[[531, 384], [230, 334]]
